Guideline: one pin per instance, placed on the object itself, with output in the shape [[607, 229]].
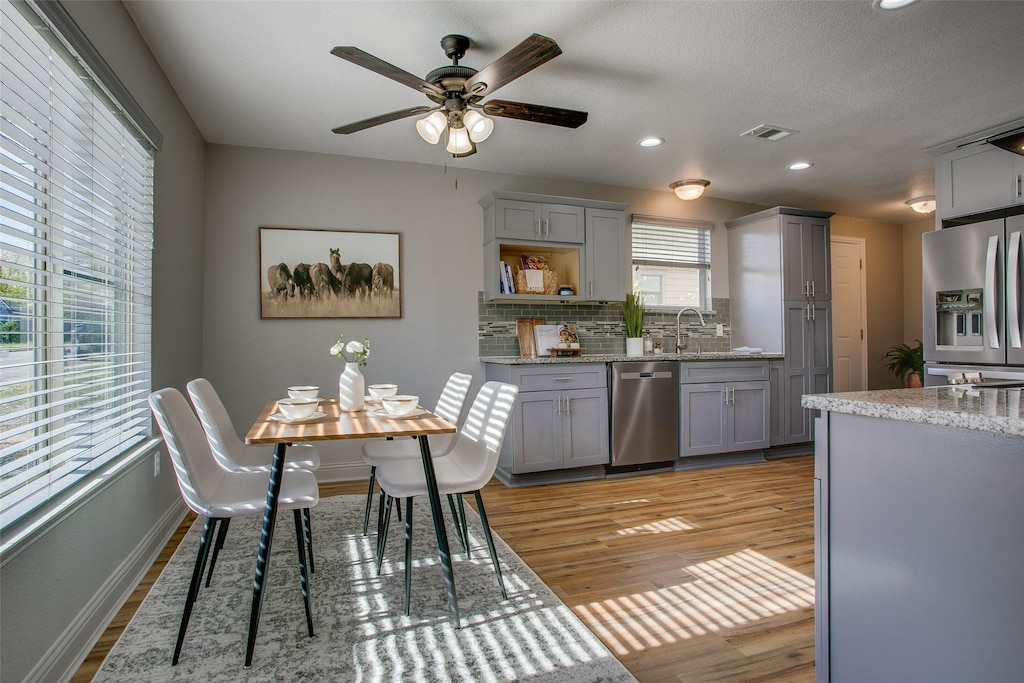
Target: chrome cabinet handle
[[568, 410], [811, 308], [540, 228], [812, 287], [989, 293], [561, 379], [1012, 290], [1019, 176], [558, 406], [725, 396]]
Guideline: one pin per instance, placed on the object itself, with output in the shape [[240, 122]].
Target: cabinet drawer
[[728, 371], [568, 376]]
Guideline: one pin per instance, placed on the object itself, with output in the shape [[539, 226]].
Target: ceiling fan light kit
[[457, 90], [689, 189]]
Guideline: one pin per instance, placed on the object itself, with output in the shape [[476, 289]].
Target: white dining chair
[[235, 455], [218, 495], [449, 407], [466, 468]]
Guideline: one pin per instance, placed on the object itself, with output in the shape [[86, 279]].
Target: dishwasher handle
[[664, 374]]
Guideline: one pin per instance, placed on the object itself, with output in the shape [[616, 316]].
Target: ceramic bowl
[[400, 404], [297, 408], [379, 391], [303, 392]]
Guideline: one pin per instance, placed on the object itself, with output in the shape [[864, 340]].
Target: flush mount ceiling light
[[691, 188], [891, 4], [456, 91], [651, 142], [922, 204], [800, 166]]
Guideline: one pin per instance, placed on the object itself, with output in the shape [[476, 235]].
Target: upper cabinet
[[805, 258], [978, 177], [582, 240]]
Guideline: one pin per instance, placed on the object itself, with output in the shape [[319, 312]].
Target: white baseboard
[[342, 471], [63, 658]]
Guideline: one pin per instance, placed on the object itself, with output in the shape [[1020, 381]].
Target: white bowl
[[381, 390], [297, 408], [400, 404], [303, 392]]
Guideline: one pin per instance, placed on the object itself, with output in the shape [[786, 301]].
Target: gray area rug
[[361, 631]]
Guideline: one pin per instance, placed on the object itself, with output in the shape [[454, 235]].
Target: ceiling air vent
[[769, 132]]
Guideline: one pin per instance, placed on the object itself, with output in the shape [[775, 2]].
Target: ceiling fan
[[456, 91]]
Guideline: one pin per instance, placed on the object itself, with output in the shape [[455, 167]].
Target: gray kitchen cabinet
[[779, 286], [976, 178], [728, 415], [775, 370], [607, 272], [524, 219], [559, 420]]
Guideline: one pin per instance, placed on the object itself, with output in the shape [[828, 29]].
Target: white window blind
[[76, 212], [672, 261]]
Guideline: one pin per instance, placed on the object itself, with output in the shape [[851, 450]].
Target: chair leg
[[382, 533], [490, 543], [300, 542], [193, 586], [458, 524], [408, 552], [369, 498], [462, 516], [221, 535], [307, 532]]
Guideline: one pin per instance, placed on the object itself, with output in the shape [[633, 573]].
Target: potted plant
[[907, 363], [633, 315]]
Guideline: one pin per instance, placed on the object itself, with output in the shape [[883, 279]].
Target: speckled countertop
[[987, 410], [615, 358]]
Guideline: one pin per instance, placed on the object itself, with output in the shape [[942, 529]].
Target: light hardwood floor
[[687, 577]]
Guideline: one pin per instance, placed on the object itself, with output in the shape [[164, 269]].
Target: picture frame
[[323, 273]]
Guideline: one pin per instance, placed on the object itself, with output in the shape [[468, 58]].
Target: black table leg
[[439, 530], [263, 556]]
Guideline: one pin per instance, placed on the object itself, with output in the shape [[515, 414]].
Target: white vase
[[634, 346], [351, 386]]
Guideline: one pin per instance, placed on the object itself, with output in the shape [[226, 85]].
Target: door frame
[[861, 244]]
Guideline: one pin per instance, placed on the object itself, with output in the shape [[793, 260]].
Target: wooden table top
[[337, 424]]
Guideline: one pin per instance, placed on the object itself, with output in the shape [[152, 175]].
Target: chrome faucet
[[686, 309]]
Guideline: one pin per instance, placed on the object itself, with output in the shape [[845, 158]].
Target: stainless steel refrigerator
[[972, 271]]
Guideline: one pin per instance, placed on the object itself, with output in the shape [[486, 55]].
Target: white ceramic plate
[[370, 399], [380, 412], [281, 417]]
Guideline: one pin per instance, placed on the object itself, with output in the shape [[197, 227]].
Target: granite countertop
[[986, 410], [615, 358]]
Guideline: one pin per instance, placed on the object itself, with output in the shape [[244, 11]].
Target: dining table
[[334, 424]]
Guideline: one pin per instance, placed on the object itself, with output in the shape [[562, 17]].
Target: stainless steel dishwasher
[[644, 414]]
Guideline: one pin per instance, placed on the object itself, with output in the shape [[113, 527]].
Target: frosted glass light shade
[[478, 125], [689, 189], [922, 204], [431, 127], [458, 141]]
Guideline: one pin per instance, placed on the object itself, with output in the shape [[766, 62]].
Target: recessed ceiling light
[[651, 142], [892, 4], [800, 166]]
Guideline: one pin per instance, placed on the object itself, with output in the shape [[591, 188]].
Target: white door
[[849, 315]]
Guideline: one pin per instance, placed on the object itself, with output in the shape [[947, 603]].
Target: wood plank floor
[[687, 577]]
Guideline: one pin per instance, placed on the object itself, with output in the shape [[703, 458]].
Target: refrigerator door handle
[[1012, 290], [990, 292]]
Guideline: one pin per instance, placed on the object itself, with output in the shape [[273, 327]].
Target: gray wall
[[251, 360], [58, 591]]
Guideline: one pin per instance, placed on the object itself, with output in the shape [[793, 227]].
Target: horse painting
[[383, 279], [282, 285]]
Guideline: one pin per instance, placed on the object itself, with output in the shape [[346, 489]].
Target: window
[[672, 261], [76, 233]]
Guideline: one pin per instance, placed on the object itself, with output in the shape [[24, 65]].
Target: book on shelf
[[511, 282]]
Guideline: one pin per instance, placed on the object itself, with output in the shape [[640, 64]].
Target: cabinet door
[[585, 427], [517, 220], [749, 416], [562, 223], [819, 351], [975, 178], [703, 419], [796, 368], [778, 404], [537, 432], [606, 255], [817, 257], [794, 279], [805, 258], [1018, 179]]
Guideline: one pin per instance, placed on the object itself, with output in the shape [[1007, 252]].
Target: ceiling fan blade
[[524, 57], [383, 118], [368, 61], [567, 118]]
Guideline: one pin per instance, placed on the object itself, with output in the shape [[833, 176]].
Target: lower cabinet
[[725, 416], [559, 420]]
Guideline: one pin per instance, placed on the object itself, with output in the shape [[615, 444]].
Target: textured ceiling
[[868, 90]]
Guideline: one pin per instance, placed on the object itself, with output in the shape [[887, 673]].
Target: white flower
[[353, 352], [337, 349], [354, 347]]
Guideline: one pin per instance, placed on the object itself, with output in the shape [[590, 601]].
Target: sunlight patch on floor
[[660, 527], [726, 592]]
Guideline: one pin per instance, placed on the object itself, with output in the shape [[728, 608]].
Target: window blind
[[663, 242], [76, 235]]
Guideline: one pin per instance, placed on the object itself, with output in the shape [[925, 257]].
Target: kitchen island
[[621, 357], [918, 515]]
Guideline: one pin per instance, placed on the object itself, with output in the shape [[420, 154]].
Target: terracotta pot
[[913, 380]]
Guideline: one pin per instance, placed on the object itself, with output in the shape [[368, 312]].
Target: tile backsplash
[[600, 326]]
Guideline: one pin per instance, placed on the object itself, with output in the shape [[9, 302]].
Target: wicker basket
[[550, 283]]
